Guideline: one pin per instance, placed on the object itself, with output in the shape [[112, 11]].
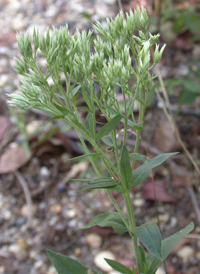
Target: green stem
[[136, 146], [132, 224]]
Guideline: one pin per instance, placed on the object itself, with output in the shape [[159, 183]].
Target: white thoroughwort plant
[[109, 65]]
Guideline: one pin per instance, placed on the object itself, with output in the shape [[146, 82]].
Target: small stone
[[2, 269], [33, 126], [21, 255], [20, 221], [160, 271], [109, 2], [173, 221], [138, 202], [164, 218], [101, 263], [78, 251], [186, 253], [57, 208], [72, 223], [51, 270], [3, 79], [44, 172], [38, 264], [25, 210], [70, 213], [94, 240], [22, 244], [51, 11], [19, 22], [114, 272]]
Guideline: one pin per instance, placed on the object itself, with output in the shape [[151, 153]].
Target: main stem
[[132, 225]]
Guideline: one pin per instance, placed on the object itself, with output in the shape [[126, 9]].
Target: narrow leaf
[[130, 108], [67, 265], [119, 267], [112, 110], [55, 118], [101, 183], [87, 98], [142, 172], [150, 94], [109, 142], [167, 245], [108, 127], [125, 167], [138, 157], [112, 219], [89, 124], [149, 235], [83, 157]]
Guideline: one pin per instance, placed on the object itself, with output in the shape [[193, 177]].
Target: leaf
[[87, 98], [12, 159], [119, 267], [149, 235], [125, 167], [150, 94], [56, 118], [83, 157], [167, 245], [135, 126], [108, 127], [142, 172], [112, 110], [101, 183], [62, 109], [112, 219], [67, 265], [109, 142], [74, 91], [130, 108], [89, 124], [138, 157]]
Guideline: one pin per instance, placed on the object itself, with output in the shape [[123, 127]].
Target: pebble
[[25, 211], [21, 255], [19, 22], [44, 172], [101, 263], [51, 11], [109, 2], [186, 253], [51, 270], [70, 213], [33, 126], [114, 272], [160, 271], [164, 218], [2, 269], [173, 221], [3, 79], [94, 240], [138, 202]]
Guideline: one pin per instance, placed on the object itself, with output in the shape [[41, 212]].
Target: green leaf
[[112, 219], [142, 172], [135, 126], [62, 109], [67, 265], [101, 183], [125, 166], [149, 235], [56, 118], [89, 124], [150, 94], [109, 142], [87, 98], [138, 157], [167, 245], [108, 127], [78, 158], [112, 110], [130, 108], [86, 109], [119, 267]]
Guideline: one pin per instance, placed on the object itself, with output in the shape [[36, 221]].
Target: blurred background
[[39, 207]]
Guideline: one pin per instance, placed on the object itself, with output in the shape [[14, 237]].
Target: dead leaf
[[12, 159], [4, 123], [161, 193], [166, 139]]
